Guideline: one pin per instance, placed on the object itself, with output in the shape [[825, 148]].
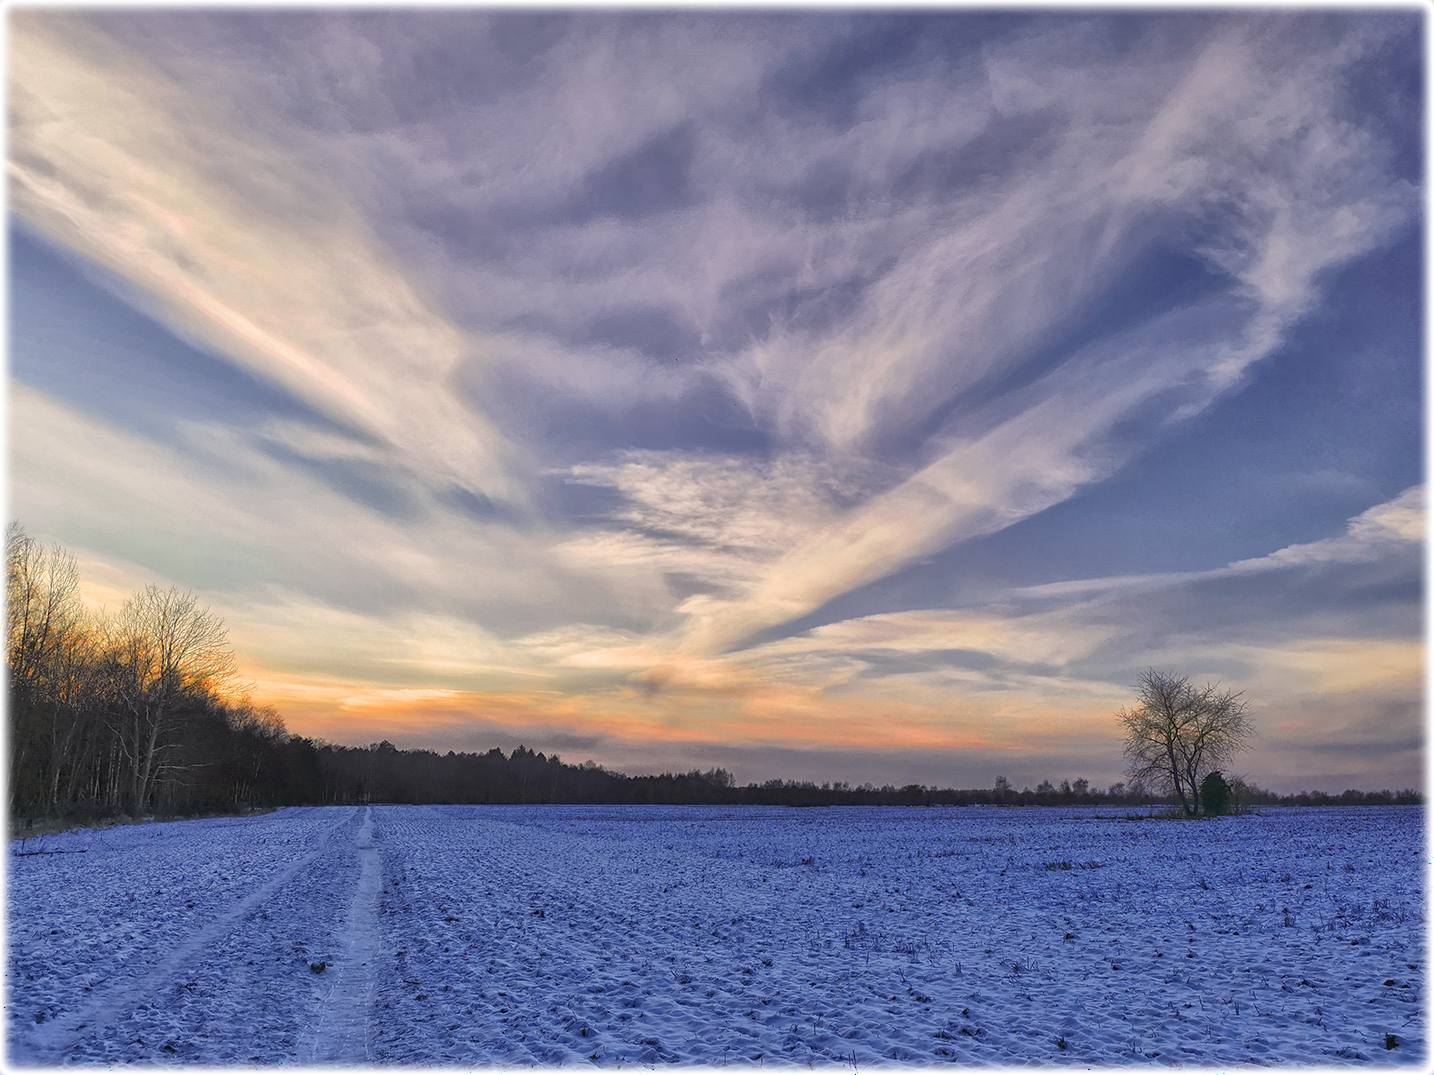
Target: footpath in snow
[[342, 1033], [556, 936]]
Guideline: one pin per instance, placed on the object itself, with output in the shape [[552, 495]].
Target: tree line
[[143, 712], [112, 714]]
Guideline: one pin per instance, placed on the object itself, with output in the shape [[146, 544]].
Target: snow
[[342, 1034], [581, 935]]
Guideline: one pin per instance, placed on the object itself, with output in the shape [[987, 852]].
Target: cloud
[[217, 514], [713, 522], [946, 299], [1082, 644], [1056, 441], [1339, 665], [237, 248], [1370, 739], [1242, 143], [1342, 616], [964, 303], [1036, 639], [1387, 532], [1369, 535]]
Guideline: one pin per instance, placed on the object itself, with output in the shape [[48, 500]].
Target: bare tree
[[1178, 733], [42, 591], [264, 727], [168, 654], [49, 649]]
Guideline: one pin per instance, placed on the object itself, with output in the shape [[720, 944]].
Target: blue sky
[[858, 396]]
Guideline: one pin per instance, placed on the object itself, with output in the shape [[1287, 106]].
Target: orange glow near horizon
[[754, 714]]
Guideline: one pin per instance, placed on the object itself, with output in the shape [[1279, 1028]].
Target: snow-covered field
[[516, 936]]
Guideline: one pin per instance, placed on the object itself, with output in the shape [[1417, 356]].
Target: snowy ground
[[517, 936]]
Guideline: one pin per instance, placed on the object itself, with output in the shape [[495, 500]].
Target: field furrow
[[585, 935]]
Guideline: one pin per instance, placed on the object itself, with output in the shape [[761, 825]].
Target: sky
[[854, 395]]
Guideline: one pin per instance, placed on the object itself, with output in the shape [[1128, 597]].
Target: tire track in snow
[[50, 1042], [342, 1033]]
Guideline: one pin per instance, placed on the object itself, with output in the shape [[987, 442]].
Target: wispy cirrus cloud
[[1394, 525], [951, 321], [238, 248], [238, 522]]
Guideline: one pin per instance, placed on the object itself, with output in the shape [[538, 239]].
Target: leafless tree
[[124, 712], [1178, 732], [167, 653], [264, 727], [42, 591], [49, 650]]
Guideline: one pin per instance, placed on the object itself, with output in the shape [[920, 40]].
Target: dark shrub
[[1215, 793]]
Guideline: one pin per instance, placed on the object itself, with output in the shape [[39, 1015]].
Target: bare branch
[[1178, 733]]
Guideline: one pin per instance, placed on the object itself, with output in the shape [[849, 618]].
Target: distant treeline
[[142, 713], [383, 773]]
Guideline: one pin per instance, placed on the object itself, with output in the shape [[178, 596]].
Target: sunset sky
[[847, 396]]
